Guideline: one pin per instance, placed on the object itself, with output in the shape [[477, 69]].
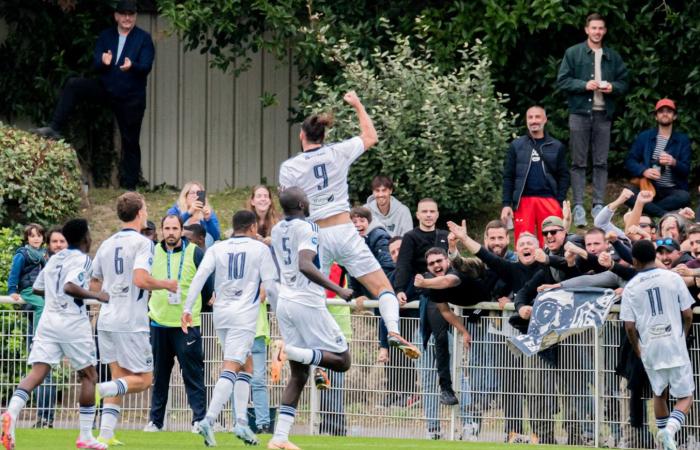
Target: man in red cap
[[662, 155]]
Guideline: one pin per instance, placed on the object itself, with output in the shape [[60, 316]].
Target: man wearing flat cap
[[123, 57], [662, 156]]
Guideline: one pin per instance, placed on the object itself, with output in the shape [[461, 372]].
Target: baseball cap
[[125, 6], [667, 102], [552, 221], [667, 244]]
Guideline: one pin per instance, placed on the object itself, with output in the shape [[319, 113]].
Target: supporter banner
[[559, 313]]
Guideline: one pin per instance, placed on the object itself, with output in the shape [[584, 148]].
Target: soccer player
[[657, 311], [311, 335], [64, 331], [321, 171], [240, 264], [122, 268]]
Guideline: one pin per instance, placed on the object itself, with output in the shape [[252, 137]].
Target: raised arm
[[368, 133]]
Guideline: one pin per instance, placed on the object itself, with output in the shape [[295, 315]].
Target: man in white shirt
[[240, 265], [657, 311], [64, 331], [122, 268]]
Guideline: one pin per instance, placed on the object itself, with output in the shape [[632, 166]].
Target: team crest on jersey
[[314, 240], [339, 340], [81, 277]]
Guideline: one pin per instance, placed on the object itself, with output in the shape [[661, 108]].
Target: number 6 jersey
[[323, 175]]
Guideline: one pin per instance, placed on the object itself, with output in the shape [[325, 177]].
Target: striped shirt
[[666, 179]]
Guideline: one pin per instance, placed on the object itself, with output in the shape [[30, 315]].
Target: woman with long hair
[[261, 203], [193, 209]]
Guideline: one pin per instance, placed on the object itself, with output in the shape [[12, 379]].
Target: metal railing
[[574, 398]]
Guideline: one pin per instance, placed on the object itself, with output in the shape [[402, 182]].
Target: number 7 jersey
[[323, 175]]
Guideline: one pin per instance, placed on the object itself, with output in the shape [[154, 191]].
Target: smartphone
[[202, 196], [603, 84]]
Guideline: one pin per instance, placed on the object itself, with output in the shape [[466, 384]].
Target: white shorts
[[309, 327], [679, 378], [80, 354], [236, 343], [131, 350], [344, 245]]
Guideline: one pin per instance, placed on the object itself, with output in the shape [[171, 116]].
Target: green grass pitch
[[137, 440]]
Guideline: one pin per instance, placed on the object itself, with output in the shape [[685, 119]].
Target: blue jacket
[[23, 271], [639, 157], [138, 48], [517, 166]]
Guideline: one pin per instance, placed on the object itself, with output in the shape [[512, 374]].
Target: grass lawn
[[137, 440]]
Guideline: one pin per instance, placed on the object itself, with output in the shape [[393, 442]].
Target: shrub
[[40, 179], [441, 134]]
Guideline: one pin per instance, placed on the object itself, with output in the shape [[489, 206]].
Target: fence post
[[597, 388], [314, 405], [456, 382]]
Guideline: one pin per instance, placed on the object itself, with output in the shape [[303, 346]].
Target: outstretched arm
[[310, 271], [368, 133]]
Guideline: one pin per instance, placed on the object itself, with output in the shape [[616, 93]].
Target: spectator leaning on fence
[[535, 176], [193, 207], [594, 77], [26, 265], [387, 209], [174, 259], [662, 156]]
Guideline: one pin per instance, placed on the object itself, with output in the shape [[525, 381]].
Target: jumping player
[[311, 335], [657, 311], [122, 268], [240, 264], [64, 331], [321, 171]]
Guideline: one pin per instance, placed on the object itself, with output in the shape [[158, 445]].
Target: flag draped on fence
[[559, 313]]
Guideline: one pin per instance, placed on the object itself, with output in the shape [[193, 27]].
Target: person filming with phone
[[193, 207]]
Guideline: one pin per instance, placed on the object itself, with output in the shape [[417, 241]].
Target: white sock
[[113, 388], [17, 402], [303, 355], [87, 416], [389, 310], [110, 417], [675, 421], [241, 395], [221, 394], [285, 420]]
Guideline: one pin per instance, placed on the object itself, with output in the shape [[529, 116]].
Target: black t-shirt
[[470, 291]]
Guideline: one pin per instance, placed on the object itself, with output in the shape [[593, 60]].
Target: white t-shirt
[[115, 262], [289, 237], [653, 300], [241, 264], [323, 175], [65, 318]]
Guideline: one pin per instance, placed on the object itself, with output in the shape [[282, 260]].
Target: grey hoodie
[[398, 222]]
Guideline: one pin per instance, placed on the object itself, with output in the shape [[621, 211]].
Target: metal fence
[[569, 395]]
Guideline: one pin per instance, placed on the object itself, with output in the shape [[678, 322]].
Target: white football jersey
[[65, 318], [323, 175], [240, 264], [653, 300], [289, 237], [115, 262]]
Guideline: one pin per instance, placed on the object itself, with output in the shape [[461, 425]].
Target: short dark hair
[[243, 220], [54, 229], [128, 206], [495, 225], [33, 227], [75, 231], [314, 127], [644, 251], [382, 181], [435, 251], [594, 16], [427, 200], [695, 229], [595, 230], [197, 230], [168, 216], [394, 239], [291, 198], [361, 211]]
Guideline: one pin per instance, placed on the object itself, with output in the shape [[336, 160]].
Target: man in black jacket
[[535, 176]]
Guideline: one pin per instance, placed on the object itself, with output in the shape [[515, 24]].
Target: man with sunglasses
[[668, 253]]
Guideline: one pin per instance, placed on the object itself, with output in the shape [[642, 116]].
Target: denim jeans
[[589, 132], [665, 200], [46, 398], [258, 384]]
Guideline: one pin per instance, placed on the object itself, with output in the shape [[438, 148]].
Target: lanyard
[[182, 260]]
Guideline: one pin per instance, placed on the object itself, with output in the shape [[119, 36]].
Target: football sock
[[285, 420], [221, 394], [113, 388], [241, 395], [303, 355], [675, 421], [87, 416], [110, 417], [17, 402], [661, 422], [389, 310]]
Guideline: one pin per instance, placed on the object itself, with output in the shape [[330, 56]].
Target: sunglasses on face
[[551, 232], [667, 241]]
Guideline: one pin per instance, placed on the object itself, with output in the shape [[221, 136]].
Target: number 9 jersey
[[323, 175]]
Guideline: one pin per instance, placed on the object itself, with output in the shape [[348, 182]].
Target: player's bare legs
[[288, 406], [380, 287], [670, 423], [88, 380], [19, 399]]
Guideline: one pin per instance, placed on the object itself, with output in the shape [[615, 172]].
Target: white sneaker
[[665, 438], [152, 428], [470, 432], [195, 428]]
